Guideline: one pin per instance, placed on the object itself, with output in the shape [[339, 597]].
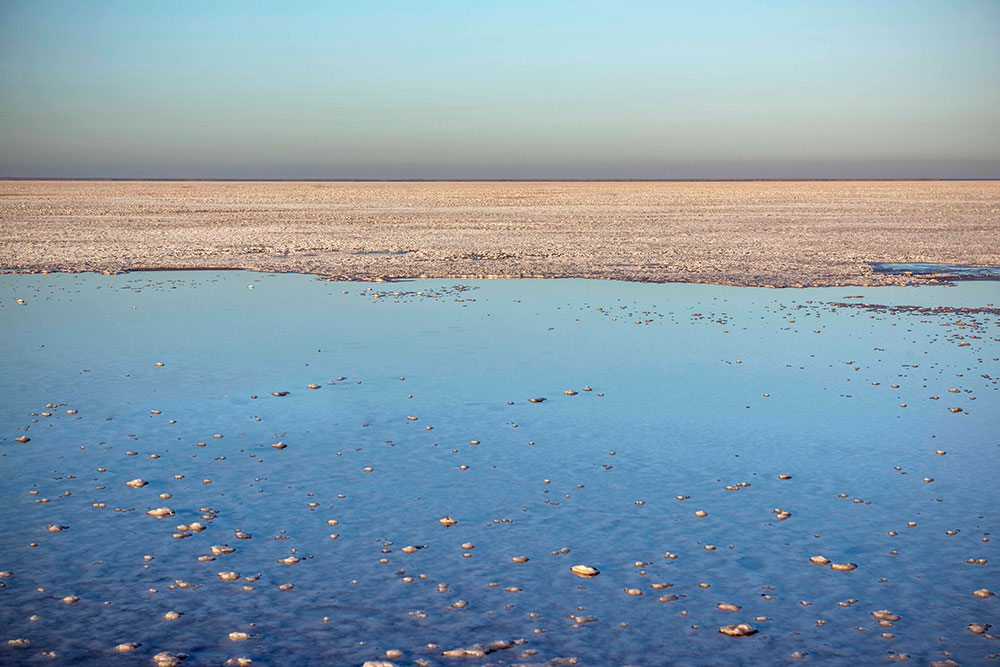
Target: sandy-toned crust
[[780, 234]]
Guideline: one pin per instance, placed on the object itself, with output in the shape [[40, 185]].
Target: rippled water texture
[[699, 398]]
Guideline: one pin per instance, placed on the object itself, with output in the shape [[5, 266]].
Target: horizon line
[[480, 180]]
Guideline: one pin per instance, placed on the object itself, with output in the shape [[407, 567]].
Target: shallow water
[[961, 271], [694, 388]]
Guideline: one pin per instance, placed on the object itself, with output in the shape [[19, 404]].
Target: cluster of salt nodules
[[839, 567]]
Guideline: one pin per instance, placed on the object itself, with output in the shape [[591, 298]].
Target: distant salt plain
[[779, 234], [699, 398]]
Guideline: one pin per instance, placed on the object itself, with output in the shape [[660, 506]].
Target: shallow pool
[[956, 271], [662, 403]]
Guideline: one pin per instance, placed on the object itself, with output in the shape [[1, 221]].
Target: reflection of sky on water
[[959, 270], [682, 416]]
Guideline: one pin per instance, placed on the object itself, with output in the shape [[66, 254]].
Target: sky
[[437, 90]]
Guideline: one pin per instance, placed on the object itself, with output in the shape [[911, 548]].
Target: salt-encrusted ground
[[731, 233]]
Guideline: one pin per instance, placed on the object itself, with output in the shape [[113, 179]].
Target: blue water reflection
[[960, 271], [693, 389]]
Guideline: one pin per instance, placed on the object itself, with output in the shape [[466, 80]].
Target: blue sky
[[500, 90]]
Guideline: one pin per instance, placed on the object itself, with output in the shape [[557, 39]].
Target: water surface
[[699, 398], [958, 271]]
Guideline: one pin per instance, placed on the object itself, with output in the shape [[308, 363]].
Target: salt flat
[[781, 234]]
